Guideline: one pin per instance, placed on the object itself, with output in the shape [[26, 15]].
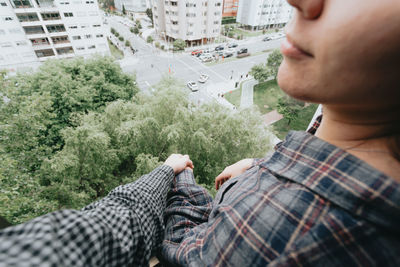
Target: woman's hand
[[232, 171], [179, 162]]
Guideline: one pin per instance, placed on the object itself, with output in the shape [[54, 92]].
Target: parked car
[[243, 55], [242, 51], [203, 78], [229, 53], [232, 45], [219, 48], [267, 39], [193, 86], [196, 52], [208, 58]]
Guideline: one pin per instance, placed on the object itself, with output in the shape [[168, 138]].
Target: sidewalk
[[246, 99]]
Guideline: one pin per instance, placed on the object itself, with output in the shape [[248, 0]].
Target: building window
[[40, 41], [65, 50], [8, 18], [190, 5], [218, 4], [3, 4], [64, 3], [173, 3], [68, 14], [44, 53], [76, 37], [216, 22], [51, 16], [33, 30], [91, 47], [89, 2], [96, 25], [21, 3], [55, 28], [88, 36], [60, 40], [73, 27], [190, 15], [174, 22], [99, 35], [80, 48], [27, 17]]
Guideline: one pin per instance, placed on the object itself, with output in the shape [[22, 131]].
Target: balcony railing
[[26, 17], [44, 53], [45, 3], [33, 30], [39, 42]]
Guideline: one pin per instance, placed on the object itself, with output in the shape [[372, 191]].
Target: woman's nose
[[309, 9]]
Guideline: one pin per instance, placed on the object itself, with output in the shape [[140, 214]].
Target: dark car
[[232, 45], [242, 51], [219, 48], [267, 39]]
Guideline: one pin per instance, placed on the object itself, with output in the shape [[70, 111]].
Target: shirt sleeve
[[121, 229]]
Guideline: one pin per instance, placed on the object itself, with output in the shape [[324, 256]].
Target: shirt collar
[[339, 177]]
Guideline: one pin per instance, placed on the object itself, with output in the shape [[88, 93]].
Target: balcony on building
[[50, 16], [39, 42], [33, 29], [55, 28], [65, 51], [27, 17], [60, 40], [21, 3], [44, 53], [45, 3]]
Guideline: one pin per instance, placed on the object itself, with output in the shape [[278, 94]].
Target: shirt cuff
[[185, 177]]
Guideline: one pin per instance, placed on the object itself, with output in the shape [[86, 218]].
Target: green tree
[[121, 38], [149, 13], [130, 138], [41, 106], [123, 10], [260, 73], [179, 44], [127, 43], [273, 63], [149, 39], [136, 30], [289, 108]]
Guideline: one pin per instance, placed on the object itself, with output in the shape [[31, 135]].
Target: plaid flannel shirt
[[309, 204], [122, 229]]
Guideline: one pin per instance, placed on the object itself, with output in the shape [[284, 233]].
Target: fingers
[[220, 179]]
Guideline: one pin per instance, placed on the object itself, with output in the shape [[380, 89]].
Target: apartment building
[[132, 5], [195, 21], [230, 8], [36, 30], [261, 14]]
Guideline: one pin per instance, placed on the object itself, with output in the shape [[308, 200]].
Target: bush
[[127, 43], [179, 44], [157, 44], [132, 30], [113, 31], [149, 39], [121, 38], [136, 30], [231, 34], [162, 47], [116, 34]]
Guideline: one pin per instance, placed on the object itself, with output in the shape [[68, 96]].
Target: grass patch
[[266, 96], [281, 127], [115, 52], [234, 97]]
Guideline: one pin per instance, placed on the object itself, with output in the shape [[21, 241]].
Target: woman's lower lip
[[289, 50]]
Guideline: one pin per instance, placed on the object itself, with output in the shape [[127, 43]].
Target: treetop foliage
[[106, 145]]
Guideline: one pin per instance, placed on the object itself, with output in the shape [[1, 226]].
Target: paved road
[[151, 64], [246, 100]]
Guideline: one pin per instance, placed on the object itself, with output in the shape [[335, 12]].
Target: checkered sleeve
[[122, 229]]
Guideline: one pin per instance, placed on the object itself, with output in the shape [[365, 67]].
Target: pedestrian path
[[246, 99]]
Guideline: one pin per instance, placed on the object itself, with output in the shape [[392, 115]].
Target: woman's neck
[[365, 134]]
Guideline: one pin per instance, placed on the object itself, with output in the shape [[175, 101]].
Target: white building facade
[[138, 6], [195, 21], [32, 31], [261, 14]]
